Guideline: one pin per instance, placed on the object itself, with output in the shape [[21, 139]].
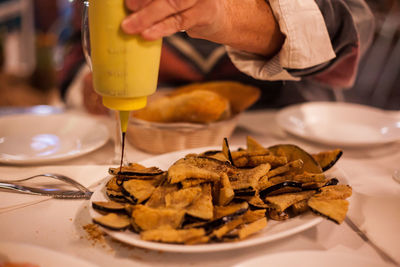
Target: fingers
[[168, 26], [154, 12], [135, 5]]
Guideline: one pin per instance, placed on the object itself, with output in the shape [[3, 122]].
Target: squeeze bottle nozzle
[[124, 105]]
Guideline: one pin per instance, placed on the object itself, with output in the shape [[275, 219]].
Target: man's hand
[[243, 24]]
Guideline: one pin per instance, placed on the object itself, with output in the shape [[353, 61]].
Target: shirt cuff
[[307, 42]]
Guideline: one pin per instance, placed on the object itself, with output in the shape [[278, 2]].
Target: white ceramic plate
[[274, 230], [340, 124], [312, 259], [32, 139], [38, 256]]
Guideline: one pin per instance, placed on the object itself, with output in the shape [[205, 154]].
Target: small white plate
[[311, 259], [33, 139], [38, 256], [274, 230], [340, 124]]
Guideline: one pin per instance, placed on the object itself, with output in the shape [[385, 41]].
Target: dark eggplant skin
[[333, 181], [217, 223], [153, 171], [105, 224], [130, 173], [128, 196], [330, 165], [211, 152], [116, 196], [270, 190], [102, 207], [245, 192], [228, 151]]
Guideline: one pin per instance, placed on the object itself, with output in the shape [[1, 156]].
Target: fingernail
[[151, 34], [128, 27]]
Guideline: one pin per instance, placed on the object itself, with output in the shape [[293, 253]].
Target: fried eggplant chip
[[226, 193], [254, 146], [293, 152], [282, 202], [113, 221], [196, 168], [137, 191], [147, 218], [221, 211], [333, 209], [169, 235], [327, 159], [334, 192], [202, 207], [182, 198], [252, 228], [247, 179]]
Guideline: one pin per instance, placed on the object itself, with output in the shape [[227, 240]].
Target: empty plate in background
[[35, 139], [340, 124]]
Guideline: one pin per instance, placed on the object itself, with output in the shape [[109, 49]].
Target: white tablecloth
[[58, 224]]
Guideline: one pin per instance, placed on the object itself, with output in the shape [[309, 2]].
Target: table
[[58, 224]]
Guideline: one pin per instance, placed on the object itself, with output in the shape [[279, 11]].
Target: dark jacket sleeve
[[351, 27]]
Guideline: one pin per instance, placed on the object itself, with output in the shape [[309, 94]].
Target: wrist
[[251, 26]]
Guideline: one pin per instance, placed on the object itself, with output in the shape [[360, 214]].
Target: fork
[[17, 185]]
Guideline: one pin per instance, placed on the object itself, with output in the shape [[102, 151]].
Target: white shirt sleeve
[[307, 42]]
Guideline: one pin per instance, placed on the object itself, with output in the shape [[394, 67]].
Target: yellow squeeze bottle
[[125, 67]]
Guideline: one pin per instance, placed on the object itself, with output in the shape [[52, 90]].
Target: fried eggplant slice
[[112, 184], [232, 208], [299, 207], [282, 202], [192, 182], [293, 152], [137, 191], [334, 192], [210, 226], [253, 145], [277, 216], [247, 179], [117, 196], [254, 215], [147, 218], [227, 227], [113, 221], [196, 168], [157, 198], [333, 209], [226, 193], [327, 159], [292, 166], [254, 159], [226, 151], [332, 181], [256, 202], [252, 228], [108, 206], [182, 198], [135, 170], [285, 187], [202, 207], [214, 154], [169, 235]]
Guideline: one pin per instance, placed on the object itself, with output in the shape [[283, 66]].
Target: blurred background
[[39, 52]]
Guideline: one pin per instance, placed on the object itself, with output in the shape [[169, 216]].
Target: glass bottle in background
[[43, 77]]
